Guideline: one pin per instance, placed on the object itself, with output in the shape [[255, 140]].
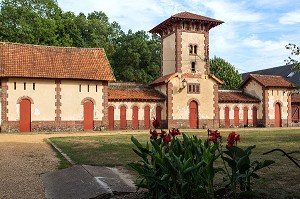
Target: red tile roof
[[236, 97], [25, 60], [269, 81], [164, 79], [132, 91], [188, 17]]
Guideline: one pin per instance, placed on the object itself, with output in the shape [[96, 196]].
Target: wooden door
[[236, 116], [158, 114], [226, 115], [295, 113], [135, 117], [88, 119], [193, 117], [254, 116], [111, 117], [245, 116], [277, 115], [25, 116], [147, 117], [123, 122]]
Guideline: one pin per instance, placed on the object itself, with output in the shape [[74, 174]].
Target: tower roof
[[186, 16]]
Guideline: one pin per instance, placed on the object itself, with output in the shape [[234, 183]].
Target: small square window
[[193, 88], [193, 67]]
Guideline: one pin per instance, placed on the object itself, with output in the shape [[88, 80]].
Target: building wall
[[241, 107], [43, 107], [72, 99], [168, 55], [195, 39], [256, 90], [140, 105]]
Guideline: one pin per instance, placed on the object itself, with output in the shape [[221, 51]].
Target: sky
[[253, 36]]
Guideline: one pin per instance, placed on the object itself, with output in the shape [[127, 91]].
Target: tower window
[[195, 49], [193, 88], [191, 49], [193, 68]]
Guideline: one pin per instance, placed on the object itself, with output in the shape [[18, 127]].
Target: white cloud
[[290, 18]]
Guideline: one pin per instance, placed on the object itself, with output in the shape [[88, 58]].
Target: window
[[191, 49], [193, 69], [193, 88], [195, 50], [15, 85], [96, 88], [24, 85], [79, 87], [88, 88], [33, 86]]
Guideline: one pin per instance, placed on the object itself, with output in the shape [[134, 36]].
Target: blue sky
[[253, 36]]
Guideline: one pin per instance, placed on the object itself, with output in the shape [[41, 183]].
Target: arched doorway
[[254, 116], [158, 114], [245, 116], [236, 116], [226, 115], [88, 118], [135, 117], [111, 117], [193, 117], [277, 115], [147, 117], [25, 115], [123, 122]]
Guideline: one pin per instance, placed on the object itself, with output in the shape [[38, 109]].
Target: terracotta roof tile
[[134, 95], [236, 97], [25, 60], [269, 81], [186, 16], [164, 79]]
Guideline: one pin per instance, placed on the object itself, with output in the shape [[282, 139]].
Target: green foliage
[[225, 72], [133, 56], [295, 51]]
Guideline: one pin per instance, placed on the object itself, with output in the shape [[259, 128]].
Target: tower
[[185, 43]]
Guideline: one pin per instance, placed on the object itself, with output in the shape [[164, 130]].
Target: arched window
[[191, 49], [195, 50]]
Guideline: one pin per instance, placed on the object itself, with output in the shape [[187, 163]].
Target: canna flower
[[174, 132], [155, 123], [154, 134], [167, 138], [232, 138], [215, 135]]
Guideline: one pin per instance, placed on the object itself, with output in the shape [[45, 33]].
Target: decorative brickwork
[[4, 103], [206, 52], [289, 120], [216, 105], [265, 105], [25, 97], [105, 104], [88, 99], [178, 50], [58, 102], [170, 105]]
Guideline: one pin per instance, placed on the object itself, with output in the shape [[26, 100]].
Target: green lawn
[[281, 180]]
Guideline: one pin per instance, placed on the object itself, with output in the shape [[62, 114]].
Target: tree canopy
[[133, 56], [226, 72], [295, 51]]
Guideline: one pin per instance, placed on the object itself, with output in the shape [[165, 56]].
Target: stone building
[[58, 89]]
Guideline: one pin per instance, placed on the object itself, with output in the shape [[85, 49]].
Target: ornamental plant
[[173, 167]]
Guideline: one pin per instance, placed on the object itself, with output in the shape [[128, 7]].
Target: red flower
[[162, 135], [167, 138], [232, 138], [174, 132], [156, 123], [154, 134], [215, 135]]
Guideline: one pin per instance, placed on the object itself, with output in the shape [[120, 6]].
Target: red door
[[111, 120], [25, 116], [123, 123], [158, 114], [236, 116], [226, 115], [147, 117], [193, 115], [88, 119], [135, 117], [245, 116], [277, 115], [254, 116]]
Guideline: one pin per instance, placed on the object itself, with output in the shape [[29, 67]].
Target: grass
[[281, 180]]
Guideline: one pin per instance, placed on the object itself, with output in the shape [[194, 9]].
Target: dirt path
[[24, 158]]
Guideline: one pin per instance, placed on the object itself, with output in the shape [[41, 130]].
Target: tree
[[137, 57], [226, 72], [295, 51]]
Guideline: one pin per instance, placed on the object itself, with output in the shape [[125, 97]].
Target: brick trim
[[169, 103], [123, 105], [25, 97], [206, 52], [265, 106], [178, 50], [289, 109], [193, 99], [4, 101], [58, 102], [88, 99], [216, 102], [105, 104]]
